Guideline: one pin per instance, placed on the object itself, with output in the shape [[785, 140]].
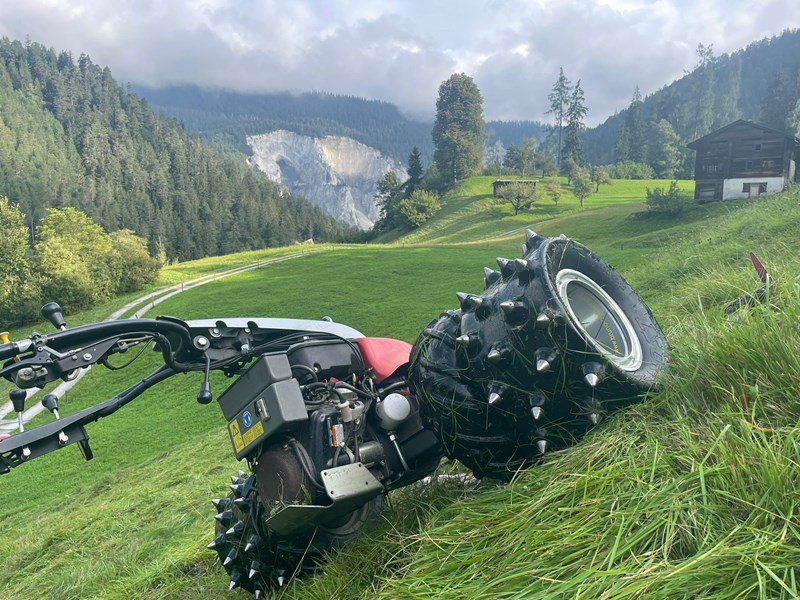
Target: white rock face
[[338, 174]]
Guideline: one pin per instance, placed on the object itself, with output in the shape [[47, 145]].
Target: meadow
[[692, 494]]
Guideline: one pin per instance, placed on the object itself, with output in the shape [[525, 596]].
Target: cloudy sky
[[401, 50]]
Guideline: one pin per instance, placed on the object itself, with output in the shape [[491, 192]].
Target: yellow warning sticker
[[236, 436], [253, 433]]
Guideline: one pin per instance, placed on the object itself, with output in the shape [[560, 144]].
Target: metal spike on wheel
[[243, 475], [494, 398], [490, 277], [255, 569], [542, 445], [217, 543], [592, 373], [236, 529], [236, 577], [236, 488], [537, 412], [595, 418], [231, 557], [252, 543], [221, 503], [242, 503], [226, 516]]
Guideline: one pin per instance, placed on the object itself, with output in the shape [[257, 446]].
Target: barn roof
[[693, 145]]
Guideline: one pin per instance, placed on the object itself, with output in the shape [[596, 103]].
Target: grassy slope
[[663, 501], [470, 213]]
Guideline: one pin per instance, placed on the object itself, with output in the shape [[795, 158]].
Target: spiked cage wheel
[[556, 340], [256, 559]]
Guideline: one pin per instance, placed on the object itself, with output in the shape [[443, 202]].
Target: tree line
[[70, 135], [67, 258]]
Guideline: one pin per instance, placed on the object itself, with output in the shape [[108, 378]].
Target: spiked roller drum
[[256, 559], [556, 340]]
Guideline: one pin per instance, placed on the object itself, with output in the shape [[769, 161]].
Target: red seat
[[4, 436], [383, 355]]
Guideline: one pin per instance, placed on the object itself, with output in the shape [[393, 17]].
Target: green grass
[[470, 213], [691, 495]]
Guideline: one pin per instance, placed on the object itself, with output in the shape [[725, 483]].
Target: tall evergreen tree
[[458, 131], [634, 120], [665, 155], [703, 91], [559, 102], [779, 102], [415, 172], [575, 115], [726, 100]]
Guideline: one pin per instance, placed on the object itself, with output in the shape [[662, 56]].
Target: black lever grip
[[18, 398], [50, 402], [52, 312]]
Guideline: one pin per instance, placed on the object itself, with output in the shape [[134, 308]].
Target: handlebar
[[173, 329]]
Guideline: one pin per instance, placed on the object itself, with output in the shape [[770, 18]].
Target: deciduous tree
[[420, 207], [581, 185], [519, 195], [600, 176]]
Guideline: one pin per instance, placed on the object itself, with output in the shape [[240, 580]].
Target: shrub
[[420, 207], [130, 264], [627, 169], [671, 202]]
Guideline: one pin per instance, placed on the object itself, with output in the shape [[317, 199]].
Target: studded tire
[[557, 340], [256, 559]]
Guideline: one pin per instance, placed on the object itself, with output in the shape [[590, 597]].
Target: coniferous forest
[[70, 135]]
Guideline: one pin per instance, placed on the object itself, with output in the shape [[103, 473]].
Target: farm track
[[145, 303]]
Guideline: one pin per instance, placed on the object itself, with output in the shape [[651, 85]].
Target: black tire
[[556, 340], [256, 559]]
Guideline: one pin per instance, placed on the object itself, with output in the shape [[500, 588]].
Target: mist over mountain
[[740, 82]]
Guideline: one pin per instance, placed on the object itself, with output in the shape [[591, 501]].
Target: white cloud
[[400, 50]]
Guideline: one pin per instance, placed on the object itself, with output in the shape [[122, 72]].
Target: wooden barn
[[744, 160]]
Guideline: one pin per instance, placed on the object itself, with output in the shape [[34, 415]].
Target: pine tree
[[778, 102], [634, 119], [559, 98], [575, 115], [415, 172], [665, 156], [703, 91], [726, 100], [458, 131]]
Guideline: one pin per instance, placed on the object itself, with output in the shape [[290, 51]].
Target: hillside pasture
[[470, 212]]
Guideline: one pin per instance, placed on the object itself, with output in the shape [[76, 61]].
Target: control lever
[[52, 312], [205, 396], [50, 402], [18, 398]]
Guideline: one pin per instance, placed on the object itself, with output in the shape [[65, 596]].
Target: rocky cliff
[[337, 174]]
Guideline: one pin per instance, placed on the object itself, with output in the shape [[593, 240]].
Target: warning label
[[252, 434], [236, 436]]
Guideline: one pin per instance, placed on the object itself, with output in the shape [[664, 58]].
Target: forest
[[70, 135], [760, 83]]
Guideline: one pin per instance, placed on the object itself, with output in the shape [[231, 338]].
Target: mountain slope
[[71, 135], [741, 80]]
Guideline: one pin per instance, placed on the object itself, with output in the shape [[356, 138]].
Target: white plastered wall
[[732, 188]]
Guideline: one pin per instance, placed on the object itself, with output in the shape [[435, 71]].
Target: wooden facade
[[744, 160]]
